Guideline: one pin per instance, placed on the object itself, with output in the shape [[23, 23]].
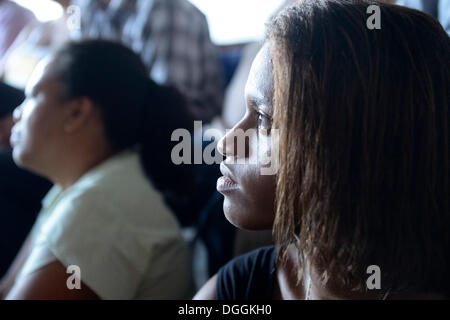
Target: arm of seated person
[[49, 283], [208, 291], [9, 278]]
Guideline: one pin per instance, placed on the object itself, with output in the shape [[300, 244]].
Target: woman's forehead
[[41, 75], [260, 83], [35, 79]]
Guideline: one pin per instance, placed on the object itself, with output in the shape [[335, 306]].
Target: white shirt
[[116, 228]]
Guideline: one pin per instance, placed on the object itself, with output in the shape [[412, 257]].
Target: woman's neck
[[76, 164]]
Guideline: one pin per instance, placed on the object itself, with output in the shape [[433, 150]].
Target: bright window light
[[44, 10], [237, 21], [230, 21]]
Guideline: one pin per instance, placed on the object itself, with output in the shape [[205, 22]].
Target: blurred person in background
[[172, 38], [36, 41], [21, 191], [96, 126], [13, 18]]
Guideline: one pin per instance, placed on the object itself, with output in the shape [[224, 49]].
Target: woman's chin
[[16, 155], [19, 157], [244, 219]]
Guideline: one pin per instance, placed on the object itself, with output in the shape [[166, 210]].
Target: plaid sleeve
[[213, 75], [187, 57], [172, 38]]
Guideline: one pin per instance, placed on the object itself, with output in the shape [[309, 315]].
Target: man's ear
[[79, 112]]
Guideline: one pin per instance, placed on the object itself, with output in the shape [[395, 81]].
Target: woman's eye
[[264, 122]]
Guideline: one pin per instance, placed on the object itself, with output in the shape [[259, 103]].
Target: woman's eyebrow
[[257, 101], [259, 104]]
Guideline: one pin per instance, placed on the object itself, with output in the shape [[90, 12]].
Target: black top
[[248, 277]]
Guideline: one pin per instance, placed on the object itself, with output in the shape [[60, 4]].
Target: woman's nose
[[235, 143], [17, 113], [221, 146]]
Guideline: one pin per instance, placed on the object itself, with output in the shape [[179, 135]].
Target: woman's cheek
[[267, 156]]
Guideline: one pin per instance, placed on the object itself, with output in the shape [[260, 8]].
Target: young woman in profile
[[96, 126], [362, 124]]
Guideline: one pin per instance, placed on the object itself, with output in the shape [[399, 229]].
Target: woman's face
[[247, 184], [36, 136]]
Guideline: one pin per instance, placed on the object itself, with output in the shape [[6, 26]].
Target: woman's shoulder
[[264, 256], [249, 276], [120, 185], [110, 207]]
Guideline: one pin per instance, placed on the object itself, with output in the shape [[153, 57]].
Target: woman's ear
[[79, 112]]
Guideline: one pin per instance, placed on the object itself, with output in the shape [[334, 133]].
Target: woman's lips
[[13, 137], [225, 183]]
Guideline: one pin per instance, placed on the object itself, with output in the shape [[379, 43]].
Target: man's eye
[[264, 122]]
